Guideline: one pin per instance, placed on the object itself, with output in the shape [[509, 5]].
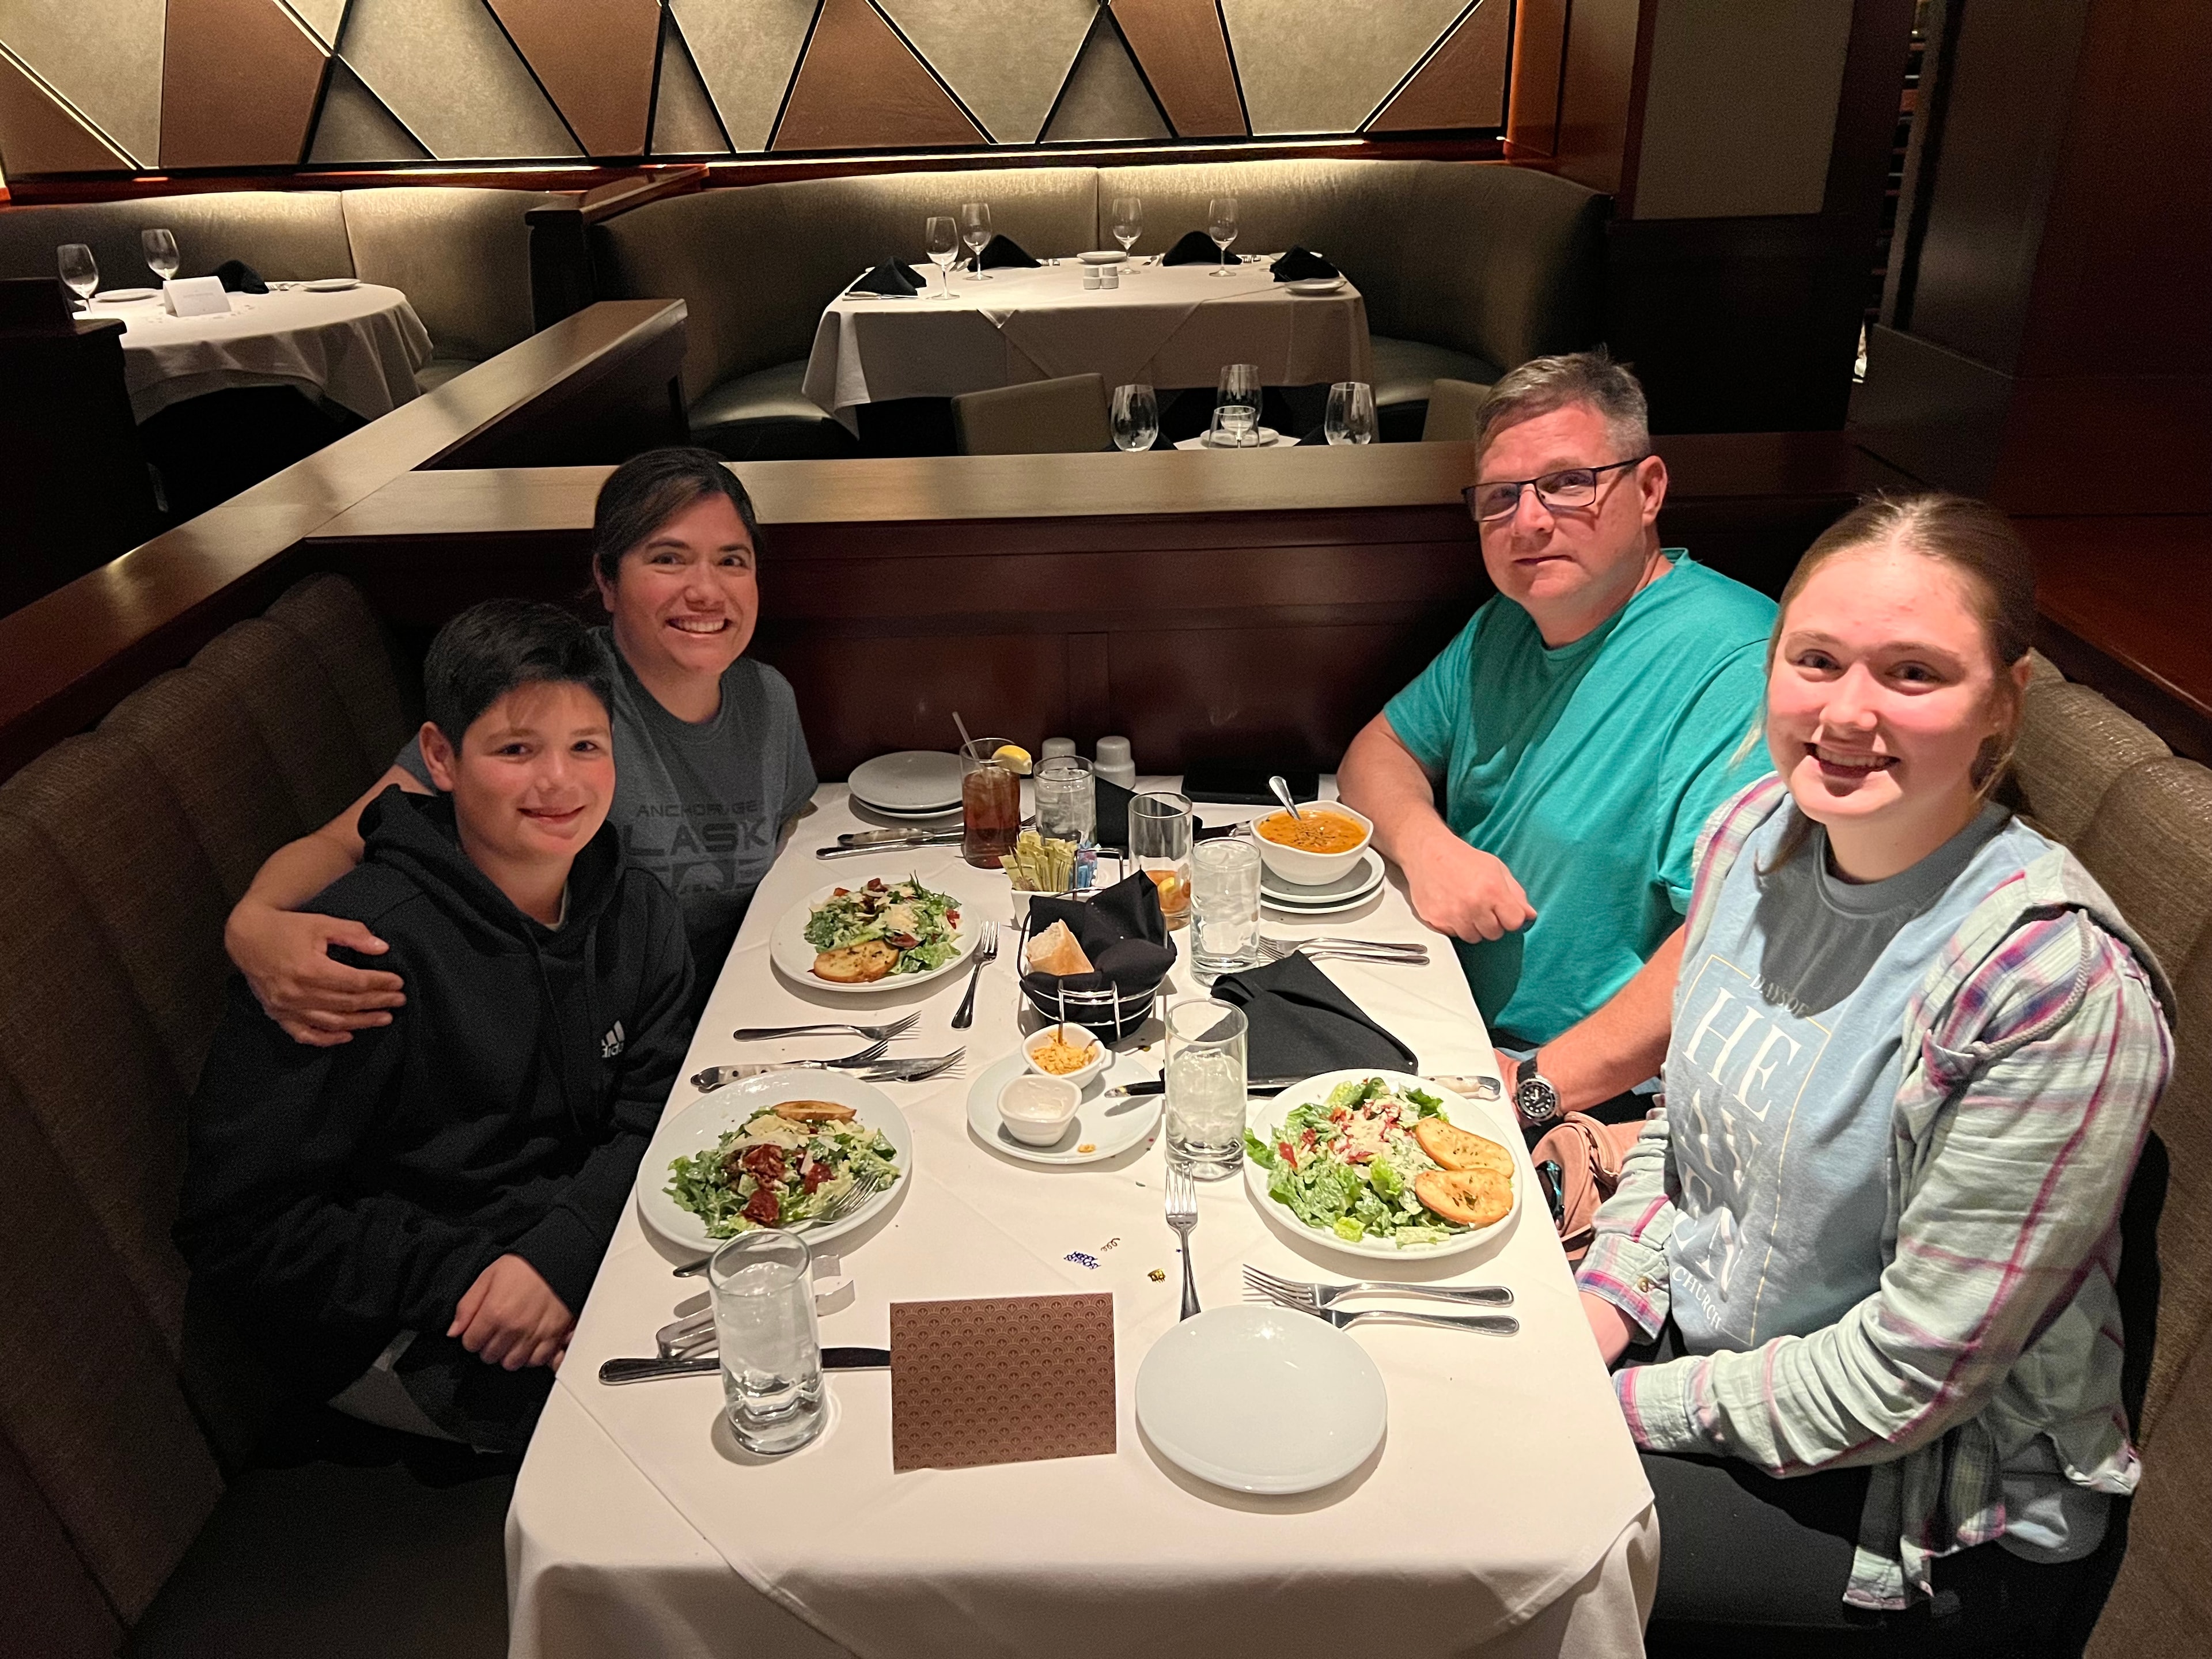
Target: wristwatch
[[1533, 1097]]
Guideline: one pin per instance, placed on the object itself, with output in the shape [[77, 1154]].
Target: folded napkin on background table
[[892, 278], [238, 277], [1300, 1023], [1003, 251], [1196, 248], [1302, 265], [1122, 931]]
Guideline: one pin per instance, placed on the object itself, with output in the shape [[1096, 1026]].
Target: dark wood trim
[[74, 654], [560, 254]]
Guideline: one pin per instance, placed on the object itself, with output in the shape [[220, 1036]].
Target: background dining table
[[1505, 1512], [1166, 325], [358, 347]]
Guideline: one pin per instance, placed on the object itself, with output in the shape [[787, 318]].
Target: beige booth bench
[[1467, 269], [461, 256], [125, 1412]]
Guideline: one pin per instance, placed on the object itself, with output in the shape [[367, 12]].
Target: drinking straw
[[965, 740]]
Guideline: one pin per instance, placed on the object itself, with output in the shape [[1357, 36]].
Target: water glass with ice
[[1067, 800], [771, 1351], [1225, 897], [1205, 1088]]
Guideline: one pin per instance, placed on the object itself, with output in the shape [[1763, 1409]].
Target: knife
[[885, 846], [714, 1077], [897, 837], [1474, 1088], [651, 1369]]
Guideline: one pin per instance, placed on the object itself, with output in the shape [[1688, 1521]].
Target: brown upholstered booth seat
[[461, 256], [127, 1417], [1465, 268]]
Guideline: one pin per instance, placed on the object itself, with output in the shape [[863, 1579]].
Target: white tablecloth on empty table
[[358, 348], [1167, 326], [1505, 1513]]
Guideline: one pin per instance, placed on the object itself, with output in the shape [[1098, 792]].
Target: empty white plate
[[909, 780], [123, 296], [1262, 1399], [332, 284], [1315, 285]]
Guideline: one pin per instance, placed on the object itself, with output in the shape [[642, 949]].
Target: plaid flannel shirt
[[2036, 1047]]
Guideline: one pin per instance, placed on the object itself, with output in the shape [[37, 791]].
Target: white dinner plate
[[1266, 1117], [1355, 886], [1106, 1128], [909, 780], [699, 1125], [794, 957], [1317, 285], [332, 284], [1269, 439], [123, 296], [1103, 256], [1259, 1399]]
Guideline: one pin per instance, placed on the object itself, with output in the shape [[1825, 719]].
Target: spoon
[[1283, 794]]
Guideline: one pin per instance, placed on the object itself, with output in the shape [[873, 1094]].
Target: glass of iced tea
[[990, 802], [1160, 833]]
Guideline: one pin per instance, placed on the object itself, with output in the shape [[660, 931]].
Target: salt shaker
[[1056, 746], [1114, 764]]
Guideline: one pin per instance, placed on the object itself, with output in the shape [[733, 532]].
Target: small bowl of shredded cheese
[[1065, 1051]]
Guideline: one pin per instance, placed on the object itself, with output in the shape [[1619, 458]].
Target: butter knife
[[898, 837], [647, 1369], [885, 846], [1474, 1088]]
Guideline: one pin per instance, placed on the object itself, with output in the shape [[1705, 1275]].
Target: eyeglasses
[[1571, 486]]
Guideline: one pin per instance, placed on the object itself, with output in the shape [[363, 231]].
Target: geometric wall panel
[[1324, 65], [1463, 83], [683, 118], [594, 58], [746, 51], [1185, 58], [324, 18], [860, 86], [37, 135], [105, 59], [445, 68], [355, 126], [1105, 97], [239, 80], [1005, 59]]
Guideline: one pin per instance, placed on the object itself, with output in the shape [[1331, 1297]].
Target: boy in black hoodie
[[407, 1224]]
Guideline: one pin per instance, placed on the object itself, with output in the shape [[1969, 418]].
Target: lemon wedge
[[1013, 757]]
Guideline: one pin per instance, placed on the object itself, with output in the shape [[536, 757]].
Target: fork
[[987, 952], [873, 1033], [1291, 1292], [1183, 1217], [863, 1188], [916, 1070], [1344, 1318], [714, 1077], [1412, 956]]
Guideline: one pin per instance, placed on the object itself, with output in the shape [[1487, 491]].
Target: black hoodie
[[334, 1197]]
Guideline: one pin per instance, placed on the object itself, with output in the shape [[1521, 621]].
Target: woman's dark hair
[[491, 649], [647, 490]]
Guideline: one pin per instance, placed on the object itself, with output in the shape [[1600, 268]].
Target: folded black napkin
[[1196, 248], [1302, 265], [1113, 813], [1300, 1023], [1122, 931], [892, 278], [1318, 435], [238, 277], [1001, 250]]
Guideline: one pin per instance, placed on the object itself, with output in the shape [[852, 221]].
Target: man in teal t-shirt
[[1585, 722]]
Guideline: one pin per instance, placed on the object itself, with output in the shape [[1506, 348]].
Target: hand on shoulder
[[285, 958]]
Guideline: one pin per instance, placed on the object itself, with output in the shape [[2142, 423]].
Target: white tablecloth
[[1505, 1513], [1167, 326], [359, 348]]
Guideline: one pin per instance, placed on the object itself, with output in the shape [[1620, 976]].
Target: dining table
[[1504, 1512], [358, 347], [1165, 326]]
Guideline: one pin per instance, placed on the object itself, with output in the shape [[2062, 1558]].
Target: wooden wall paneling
[[446, 68], [1006, 60], [1184, 55], [1327, 65], [239, 83], [104, 61], [595, 62], [1598, 95], [38, 135], [1462, 83], [1532, 96], [1105, 98], [860, 86]]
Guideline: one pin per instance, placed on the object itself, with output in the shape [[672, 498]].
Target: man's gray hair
[[1544, 383]]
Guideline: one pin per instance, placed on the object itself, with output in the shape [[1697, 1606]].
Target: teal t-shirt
[[1589, 771]]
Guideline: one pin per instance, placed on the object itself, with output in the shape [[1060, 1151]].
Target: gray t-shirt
[[700, 805], [1787, 1054]]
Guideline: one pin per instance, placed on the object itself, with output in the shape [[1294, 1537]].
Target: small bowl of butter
[[1037, 1110]]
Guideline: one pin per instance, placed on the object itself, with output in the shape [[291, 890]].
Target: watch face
[[1536, 1099]]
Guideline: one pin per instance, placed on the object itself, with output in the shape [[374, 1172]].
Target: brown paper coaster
[[1006, 1379]]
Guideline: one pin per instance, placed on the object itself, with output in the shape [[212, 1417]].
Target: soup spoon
[[1283, 794]]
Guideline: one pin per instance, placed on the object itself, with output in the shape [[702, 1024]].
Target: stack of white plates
[[909, 783], [1356, 886]]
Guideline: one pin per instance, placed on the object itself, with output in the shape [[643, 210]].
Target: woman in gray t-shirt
[[710, 761]]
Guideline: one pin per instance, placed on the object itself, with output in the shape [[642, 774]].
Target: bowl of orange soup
[[1320, 844]]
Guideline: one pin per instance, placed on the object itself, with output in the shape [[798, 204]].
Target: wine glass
[[941, 240], [1129, 221], [1221, 226], [1351, 418], [1136, 417], [1237, 399], [161, 256], [78, 271], [975, 231]]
